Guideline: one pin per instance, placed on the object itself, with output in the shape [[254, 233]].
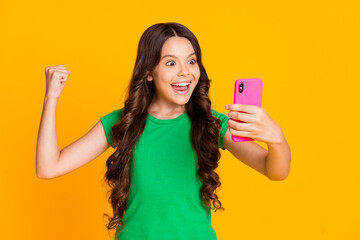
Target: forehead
[[178, 46]]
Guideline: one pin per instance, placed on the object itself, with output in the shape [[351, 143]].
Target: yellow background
[[306, 53]]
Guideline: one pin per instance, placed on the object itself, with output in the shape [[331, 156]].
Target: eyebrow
[[169, 55]]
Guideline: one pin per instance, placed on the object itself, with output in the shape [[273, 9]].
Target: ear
[[149, 78]]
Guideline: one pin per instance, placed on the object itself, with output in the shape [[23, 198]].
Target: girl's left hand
[[257, 124]]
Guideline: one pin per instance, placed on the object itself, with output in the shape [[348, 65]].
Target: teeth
[[181, 84]]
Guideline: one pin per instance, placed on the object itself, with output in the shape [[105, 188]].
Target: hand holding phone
[[247, 91]]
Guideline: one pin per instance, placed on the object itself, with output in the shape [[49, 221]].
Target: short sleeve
[[224, 127], [108, 122]]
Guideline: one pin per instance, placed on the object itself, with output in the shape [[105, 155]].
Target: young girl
[[166, 140]]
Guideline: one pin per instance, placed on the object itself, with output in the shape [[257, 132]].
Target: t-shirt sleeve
[[224, 127], [108, 122]]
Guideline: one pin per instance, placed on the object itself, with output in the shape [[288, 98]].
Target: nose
[[183, 71]]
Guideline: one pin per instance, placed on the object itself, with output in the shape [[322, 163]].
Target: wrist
[[280, 140], [50, 101], [48, 98]]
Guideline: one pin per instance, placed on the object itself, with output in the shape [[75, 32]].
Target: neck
[[165, 110]]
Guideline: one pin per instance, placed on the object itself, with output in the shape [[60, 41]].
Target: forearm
[[278, 160], [47, 150]]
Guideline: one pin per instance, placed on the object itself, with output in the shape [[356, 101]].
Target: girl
[[166, 140]]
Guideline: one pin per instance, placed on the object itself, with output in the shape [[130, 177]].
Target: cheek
[[164, 80], [196, 73], [197, 76]]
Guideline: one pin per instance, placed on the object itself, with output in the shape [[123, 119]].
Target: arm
[[278, 160], [273, 163], [50, 161], [47, 150], [258, 125], [250, 153]]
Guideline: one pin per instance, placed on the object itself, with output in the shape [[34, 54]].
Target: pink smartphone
[[247, 91]]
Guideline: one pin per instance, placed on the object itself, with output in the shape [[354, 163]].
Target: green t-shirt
[[165, 200]]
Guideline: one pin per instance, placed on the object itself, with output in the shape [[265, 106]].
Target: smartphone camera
[[241, 87]]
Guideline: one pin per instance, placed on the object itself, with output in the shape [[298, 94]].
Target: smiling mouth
[[181, 84], [181, 88]]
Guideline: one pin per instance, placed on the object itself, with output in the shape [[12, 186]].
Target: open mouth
[[181, 88]]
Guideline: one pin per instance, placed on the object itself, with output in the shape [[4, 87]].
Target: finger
[[62, 71], [240, 133], [61, 75], [241, 107], [52, 70], [58, 67], [241, 126], [245, 117]]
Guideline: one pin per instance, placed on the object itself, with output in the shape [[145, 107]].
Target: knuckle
[[262, 110], [253, 128]]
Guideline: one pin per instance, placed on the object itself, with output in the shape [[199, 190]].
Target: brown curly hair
[[125, 134]]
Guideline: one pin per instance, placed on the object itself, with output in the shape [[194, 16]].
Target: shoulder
[[219, 115], [108, 121], [113, 116], [224, 126]]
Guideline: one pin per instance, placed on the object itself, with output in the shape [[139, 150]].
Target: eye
[[170, 62], [193, 61]]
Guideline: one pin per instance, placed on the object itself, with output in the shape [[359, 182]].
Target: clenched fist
[[56, 77]]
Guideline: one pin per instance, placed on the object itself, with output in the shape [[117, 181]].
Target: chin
[[184, 102]]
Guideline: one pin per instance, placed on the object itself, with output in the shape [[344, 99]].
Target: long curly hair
[[125, 134]]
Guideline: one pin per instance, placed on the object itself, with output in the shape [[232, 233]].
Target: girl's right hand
[[56, 77]]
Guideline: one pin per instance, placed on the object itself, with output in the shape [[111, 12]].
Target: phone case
[[247, 91]]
